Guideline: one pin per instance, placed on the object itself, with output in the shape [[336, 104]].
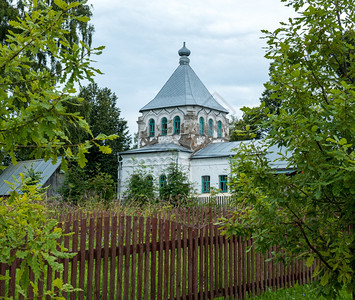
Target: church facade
[[183, 124]]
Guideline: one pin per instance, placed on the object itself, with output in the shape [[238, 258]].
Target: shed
[[48, 170]]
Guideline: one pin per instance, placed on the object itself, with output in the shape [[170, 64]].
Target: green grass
[[298, 292]]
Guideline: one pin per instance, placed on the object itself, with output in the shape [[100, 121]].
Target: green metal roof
[[45, 168]]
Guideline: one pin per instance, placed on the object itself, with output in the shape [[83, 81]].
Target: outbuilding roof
[[45, 168], [183, 88], [158, 148]]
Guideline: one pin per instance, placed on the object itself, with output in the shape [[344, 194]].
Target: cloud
[[142, 39]]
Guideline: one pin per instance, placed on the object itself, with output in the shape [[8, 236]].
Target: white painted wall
[[156, 163], [212, 167]]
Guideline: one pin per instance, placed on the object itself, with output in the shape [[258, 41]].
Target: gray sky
[[142, 39]]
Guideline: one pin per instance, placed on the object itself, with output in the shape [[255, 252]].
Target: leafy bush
[[26, 233], [177, 188], [141, 189]]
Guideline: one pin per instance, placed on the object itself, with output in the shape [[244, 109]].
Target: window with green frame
[[162, 181], [219, 129], [164, 126], [177, 125], [151, 127], [206, 184], [223, 179], [202, 126], [150, 179], [210, 127]]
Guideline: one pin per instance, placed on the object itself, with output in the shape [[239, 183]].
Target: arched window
[[202, 126], [151, 127], [177, 125], [162, 181], [219, 129], [164, 126], [210, 127]]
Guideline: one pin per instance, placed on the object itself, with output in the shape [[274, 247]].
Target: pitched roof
[[228, 149], [158, 148], [45, 168], [183, 88]]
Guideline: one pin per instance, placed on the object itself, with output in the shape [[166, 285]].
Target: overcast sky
[[142, 39]]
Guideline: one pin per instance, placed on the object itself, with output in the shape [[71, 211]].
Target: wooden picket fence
[[179, 255]]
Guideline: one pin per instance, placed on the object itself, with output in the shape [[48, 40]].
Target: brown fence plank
[[106, 255], [184, 260], [2, 282], [153, 259], [244, 267], [91, 258], [252, 267], [166, 258], [172, 260], [113, 256], [146, 257], [178, 261], [212, 268], [97, 278], [231, 260], [74, 261], [121, 227], [206, 268], [59, 242], [82, 258], [134, 257], [66, 246], [140, 259], [160, 259], [127, 257]]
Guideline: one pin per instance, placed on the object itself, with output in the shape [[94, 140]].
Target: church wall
[[189, 136], [156, 163]]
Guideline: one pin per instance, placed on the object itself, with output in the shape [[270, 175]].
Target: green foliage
[[299, 292], [77, 28], [32, 106], [80, 187], [141, 188], [26, 233], [309, 214], [103, 117], [177, 188], [34, 116], [249, 126]]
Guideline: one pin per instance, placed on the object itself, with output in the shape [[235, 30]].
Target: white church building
[[183, 124]]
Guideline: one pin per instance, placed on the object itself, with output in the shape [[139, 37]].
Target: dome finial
[[184, 53]]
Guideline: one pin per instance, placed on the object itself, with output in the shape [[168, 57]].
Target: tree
[[177, 187], [141, 188], [103, 117], [310, 214], [77, 29], [249, 126], [34, 116]]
